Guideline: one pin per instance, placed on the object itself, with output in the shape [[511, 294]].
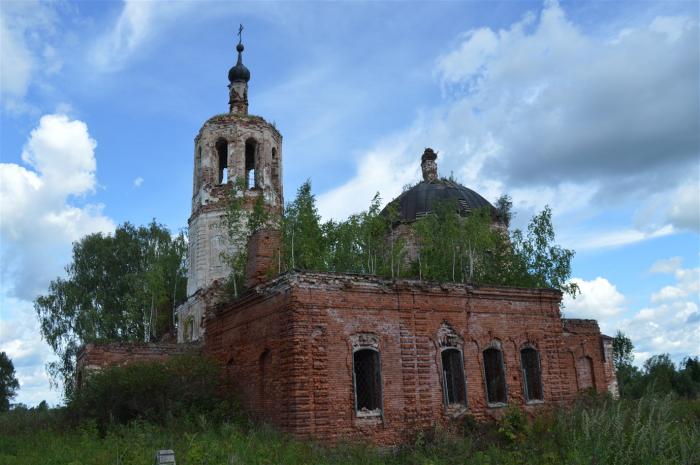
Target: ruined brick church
[[329, 356]]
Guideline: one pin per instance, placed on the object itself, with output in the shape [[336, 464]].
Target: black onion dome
[[424, 196], [239, 73]]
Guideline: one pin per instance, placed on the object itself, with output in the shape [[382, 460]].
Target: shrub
[[154, 392]]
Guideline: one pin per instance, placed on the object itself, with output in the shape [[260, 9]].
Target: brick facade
[[288, 348], [298, 348]]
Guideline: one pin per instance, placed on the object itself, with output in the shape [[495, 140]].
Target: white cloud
[[672, 323], [687, 283], [138, 181], [684, 210], [599, 299], [25, 30], [617, 238], [553, 115], [39, 222], [667, 265]]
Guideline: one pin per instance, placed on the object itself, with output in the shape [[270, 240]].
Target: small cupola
[[428, 165], [239, 73], [238, 77]]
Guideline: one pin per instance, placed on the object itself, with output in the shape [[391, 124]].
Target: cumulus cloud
[[552, 114], [671, 324], [40, 218], [599, 299], [687, 281], [138, 181]]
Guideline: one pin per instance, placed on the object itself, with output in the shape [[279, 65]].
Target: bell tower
[[229, 147]]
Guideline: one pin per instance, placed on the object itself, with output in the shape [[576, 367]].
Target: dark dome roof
[[239, 72], [423, 197]]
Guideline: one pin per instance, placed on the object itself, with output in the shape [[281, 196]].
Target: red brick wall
[[96, 356], [584, 342], [305, 324], [254, 339]]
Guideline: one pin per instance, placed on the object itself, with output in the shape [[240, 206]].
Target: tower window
[[495, 376], [275, 168], [368, 382], [453, 377], [532, 375], [251, 149], [222, 152]]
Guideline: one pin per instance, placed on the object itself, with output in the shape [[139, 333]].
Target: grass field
[[598, 431]]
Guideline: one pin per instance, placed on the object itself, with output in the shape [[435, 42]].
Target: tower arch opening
[[222, 156], [275, 168], [251, 151]]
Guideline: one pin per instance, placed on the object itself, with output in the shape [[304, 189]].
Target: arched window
[[367, 380], [453, 377], [222, 152], [532, 375], [495, 376], [251, 149]]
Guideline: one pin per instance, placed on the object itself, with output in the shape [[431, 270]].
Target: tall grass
[[647, 431], [600, 431]]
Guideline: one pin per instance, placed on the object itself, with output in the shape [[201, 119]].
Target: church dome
[[239, 73], [424, 197]]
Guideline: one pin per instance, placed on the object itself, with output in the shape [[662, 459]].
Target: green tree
[[304, 242], [622, 350], [8, 382], [240, 224], [119, 287], [538, 261]]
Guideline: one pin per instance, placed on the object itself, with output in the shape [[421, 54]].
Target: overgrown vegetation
[[451, 248], [651, 430], [156, 392], [120, 287]]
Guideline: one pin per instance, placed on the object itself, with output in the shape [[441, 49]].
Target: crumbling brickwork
[[592, 356], [289, 350], [96, 356]]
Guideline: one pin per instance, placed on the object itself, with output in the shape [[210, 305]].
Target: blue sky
[[590, 107]]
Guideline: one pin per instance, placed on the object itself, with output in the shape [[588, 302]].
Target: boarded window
[[222, 152], [584, 373], [453, 377], [251, 148], [368, 381], [495, 376], [532, 376]]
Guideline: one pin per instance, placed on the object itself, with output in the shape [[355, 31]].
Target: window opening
[[275, 168], [250, 151], [368, 381], [453, 377], [495, 376], [532, 375], [222, 151]]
